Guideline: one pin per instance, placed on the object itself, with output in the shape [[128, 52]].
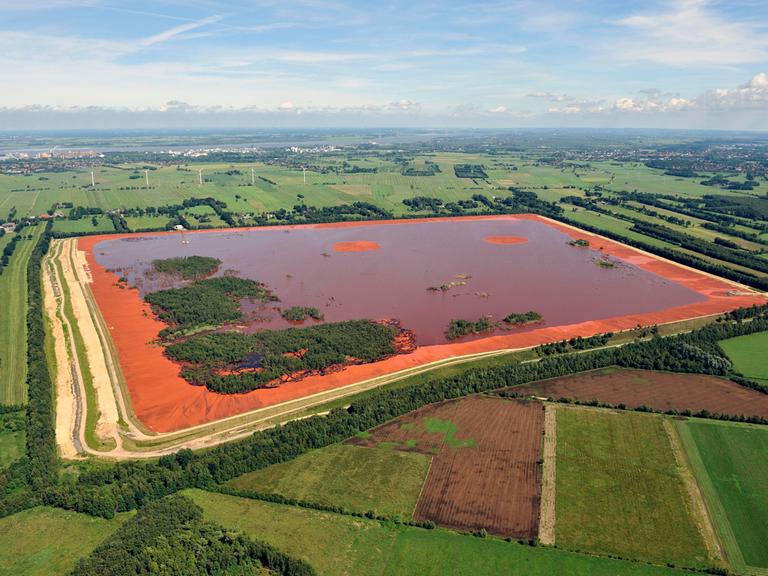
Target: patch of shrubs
[[301, 313], [188, 267]]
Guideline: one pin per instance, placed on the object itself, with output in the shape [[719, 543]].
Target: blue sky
[[105, 63]]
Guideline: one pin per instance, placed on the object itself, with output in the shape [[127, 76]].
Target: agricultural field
[[659, 391], [49, 541], [619, 491], [485, 473], [337, 545], [729, 463], [357, 479], [748, 354], [13, 326]]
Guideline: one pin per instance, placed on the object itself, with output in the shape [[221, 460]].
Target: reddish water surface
[[561, 282], [556, 279]]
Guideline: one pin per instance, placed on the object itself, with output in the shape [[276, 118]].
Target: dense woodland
[[169, 536], [231, 362]]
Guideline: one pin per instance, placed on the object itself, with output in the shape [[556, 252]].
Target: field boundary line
[[421, 490], [695, 498], [715, 507], [547, 505]]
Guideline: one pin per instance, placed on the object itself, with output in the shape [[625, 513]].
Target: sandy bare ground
[[548, 477], [71, 266], [695, 500], [65, 399]]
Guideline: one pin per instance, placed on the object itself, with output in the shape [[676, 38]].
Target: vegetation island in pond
[[228, 361], [187, 267]]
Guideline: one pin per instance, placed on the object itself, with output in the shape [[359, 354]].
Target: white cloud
[[551, 96], [753, 94], [498, 110], [690, 33], [177, 30]]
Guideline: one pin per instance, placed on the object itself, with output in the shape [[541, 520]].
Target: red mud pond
[[384, 270]]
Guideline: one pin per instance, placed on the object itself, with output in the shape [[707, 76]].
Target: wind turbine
[[146, 177]]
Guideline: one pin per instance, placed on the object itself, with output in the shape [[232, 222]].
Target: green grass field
[[12, 436], [618, 489], [49, 541], [13, 325], [84, 225], [336, 544], [730, 465], [355, 478], [748, 355]]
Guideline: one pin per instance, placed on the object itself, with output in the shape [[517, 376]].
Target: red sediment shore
[[165, 402], [505, 239], [355, 246]]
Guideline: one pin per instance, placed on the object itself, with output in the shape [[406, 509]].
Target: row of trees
[[8, 251], [713, 249], [129, 485]]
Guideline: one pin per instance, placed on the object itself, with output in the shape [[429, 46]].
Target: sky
[[76, 64]]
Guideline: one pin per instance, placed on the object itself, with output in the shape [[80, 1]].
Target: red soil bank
[[505, 240], [164, 402], [355, 246]]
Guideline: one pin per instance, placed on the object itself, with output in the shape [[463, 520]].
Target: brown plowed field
[[661, 391], [485, 472]]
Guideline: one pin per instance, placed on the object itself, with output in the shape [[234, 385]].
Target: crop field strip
[[661, 391], [358, 479], [13, 327], [548, 505], [619, 492], [728, 461], [484, 473]]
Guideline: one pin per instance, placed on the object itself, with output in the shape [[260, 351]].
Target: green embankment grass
[[355, 478], [748, 354], [13, 325], [336, 544], [618, 490], [49, 541], [730, 465]]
